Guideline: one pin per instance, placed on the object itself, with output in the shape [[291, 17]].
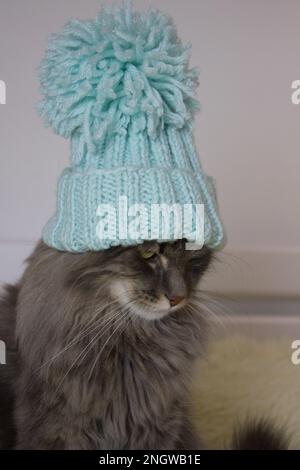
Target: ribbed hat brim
[[75, 224]]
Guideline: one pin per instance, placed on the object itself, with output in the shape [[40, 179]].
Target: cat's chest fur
[[137, 391]]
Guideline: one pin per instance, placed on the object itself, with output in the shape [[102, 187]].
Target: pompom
[[123, 68]]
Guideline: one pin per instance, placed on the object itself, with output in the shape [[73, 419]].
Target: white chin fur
[[154, 311], [121, 292]]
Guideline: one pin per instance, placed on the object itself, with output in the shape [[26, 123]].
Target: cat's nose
[[175, 299]]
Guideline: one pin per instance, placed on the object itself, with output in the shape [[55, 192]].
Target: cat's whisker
[[101, 309], [102, 320], [87, 348], [102, 285], [91, 307], [94, 317], [221, 314], [91, 326], [211, 299], [120, 323], [74, 341], [202, 307], [100, 334], [102, 331]]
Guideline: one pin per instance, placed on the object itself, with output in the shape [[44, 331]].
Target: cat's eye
[[148, 254]]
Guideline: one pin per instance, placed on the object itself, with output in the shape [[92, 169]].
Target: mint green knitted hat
[[121, 89]]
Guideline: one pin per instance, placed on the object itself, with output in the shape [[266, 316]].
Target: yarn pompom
[[122, 69]]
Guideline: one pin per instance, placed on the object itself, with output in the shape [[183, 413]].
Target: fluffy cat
[[100, 349], [106, 343]]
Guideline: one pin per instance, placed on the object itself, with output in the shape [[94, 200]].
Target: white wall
[[247, 133]]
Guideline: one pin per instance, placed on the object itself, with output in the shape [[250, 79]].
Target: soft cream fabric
[[242, 379]]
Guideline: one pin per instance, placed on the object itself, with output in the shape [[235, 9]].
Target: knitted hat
[[121, 89]]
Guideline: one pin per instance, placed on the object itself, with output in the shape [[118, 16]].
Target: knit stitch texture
[[121, 89]]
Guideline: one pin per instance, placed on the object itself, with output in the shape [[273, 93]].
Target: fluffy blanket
[[242, 379]]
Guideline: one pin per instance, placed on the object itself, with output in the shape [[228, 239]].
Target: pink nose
[[175, 300]]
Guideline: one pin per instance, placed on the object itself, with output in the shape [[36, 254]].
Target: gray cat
[[106, 344], [100, 349]]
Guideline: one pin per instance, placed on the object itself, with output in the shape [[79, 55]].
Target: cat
[[100, 351], [106, 343], [8, 370]]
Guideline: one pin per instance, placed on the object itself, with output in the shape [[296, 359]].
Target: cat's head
[[156, 279], [149, 280]]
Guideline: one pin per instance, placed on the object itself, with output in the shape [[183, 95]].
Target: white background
[[248, 52]]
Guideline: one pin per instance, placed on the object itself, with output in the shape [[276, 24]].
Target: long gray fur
[[92, 372]]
